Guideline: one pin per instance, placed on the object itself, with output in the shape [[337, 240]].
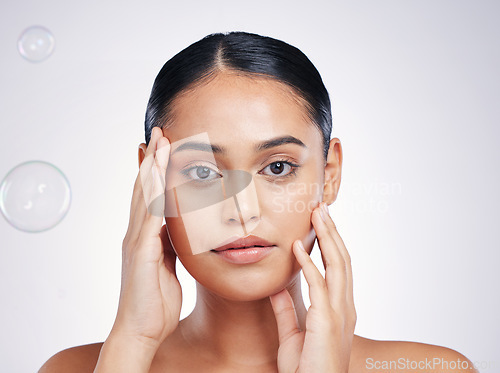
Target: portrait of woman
[[236, 178], [264, 186]]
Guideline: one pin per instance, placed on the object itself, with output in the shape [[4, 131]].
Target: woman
[[238, 159]]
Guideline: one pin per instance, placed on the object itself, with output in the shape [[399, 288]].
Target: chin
[[252, 284]]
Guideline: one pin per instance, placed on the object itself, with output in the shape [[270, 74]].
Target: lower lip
[[244, 256]]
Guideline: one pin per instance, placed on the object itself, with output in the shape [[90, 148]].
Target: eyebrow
[[279, 141], [202, 146], [216, 149]]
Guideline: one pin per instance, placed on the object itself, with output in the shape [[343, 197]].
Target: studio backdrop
[[414, 87]]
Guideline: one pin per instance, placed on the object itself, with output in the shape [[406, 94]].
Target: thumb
[[286, 317], [168, 250]]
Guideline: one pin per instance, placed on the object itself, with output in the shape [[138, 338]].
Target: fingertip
[[156, 135], [164, 140], [316, 212], [153, 142], [300, 253], [273, 297], [279, 297], [319, 223], [154, 132], [163, 151], [162, 145]]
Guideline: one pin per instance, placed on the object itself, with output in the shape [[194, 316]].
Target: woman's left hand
[[325, 345]]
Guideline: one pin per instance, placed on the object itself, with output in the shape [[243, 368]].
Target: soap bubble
[[34, 196], [36, 43]]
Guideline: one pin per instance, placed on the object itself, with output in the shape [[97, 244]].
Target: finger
[[138, 204], [148, 169], [318, 292], [146, 176], [286, 317], [335, 235], [343, 250], [335, 266], [168, 250], [135, 195], [156, 208]]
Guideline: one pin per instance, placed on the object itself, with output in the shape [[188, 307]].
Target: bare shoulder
[[79, 359], [369, 355]]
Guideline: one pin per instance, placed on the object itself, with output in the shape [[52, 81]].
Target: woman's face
[[245, 161]]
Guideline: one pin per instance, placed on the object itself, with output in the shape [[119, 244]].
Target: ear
[[142, 153], [333, 171]]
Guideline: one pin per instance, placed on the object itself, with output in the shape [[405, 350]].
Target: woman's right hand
[[150, 296]]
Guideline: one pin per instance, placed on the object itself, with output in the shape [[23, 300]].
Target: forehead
[[240, 110]]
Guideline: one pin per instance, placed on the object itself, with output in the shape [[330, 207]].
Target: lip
[[245, 256], [243, 242], [245, 250]]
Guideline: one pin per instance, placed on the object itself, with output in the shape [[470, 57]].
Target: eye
[[280, 168], [201, 173]]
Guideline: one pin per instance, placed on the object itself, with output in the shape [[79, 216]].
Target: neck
[[237, 332]]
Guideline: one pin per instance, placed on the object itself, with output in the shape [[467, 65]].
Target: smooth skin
[[325, 344], [236, 328]]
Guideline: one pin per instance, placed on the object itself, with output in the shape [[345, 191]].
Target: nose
[[241, 204]]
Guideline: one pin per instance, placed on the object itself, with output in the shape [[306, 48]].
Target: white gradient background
[[415, 92]]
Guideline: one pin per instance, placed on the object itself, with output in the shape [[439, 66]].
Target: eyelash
[[293, 170], [186, 172]]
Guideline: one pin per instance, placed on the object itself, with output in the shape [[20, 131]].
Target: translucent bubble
[[36, 43], [34, 196]]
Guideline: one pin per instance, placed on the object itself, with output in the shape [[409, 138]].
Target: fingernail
[[301, 245], [322, 213], [325, 209]]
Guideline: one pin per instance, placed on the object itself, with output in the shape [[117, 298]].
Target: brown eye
[[279, 168]]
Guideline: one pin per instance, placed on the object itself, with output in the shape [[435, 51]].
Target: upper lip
[[247, 241]]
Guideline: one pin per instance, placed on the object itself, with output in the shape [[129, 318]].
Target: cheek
[[181, 240], [187, 238], [178, 236], [190, 213], [291, 205]]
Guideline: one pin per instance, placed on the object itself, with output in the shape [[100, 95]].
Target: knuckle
[[319, 281], [345, 265], [336, 321], [285, 310], [352, 317], [341, 265]]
